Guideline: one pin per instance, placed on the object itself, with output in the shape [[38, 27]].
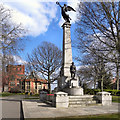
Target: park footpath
[[18, 107], [11, 107], [38, 109]]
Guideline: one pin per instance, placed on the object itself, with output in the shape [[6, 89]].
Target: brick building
[[15, 74], [18, 82], [33, 83]]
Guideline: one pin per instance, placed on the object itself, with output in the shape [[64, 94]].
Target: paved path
[[41, 110], [11, 108], [13, 97]]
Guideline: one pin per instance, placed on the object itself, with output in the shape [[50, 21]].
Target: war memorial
[[68, 92], [68, 98]]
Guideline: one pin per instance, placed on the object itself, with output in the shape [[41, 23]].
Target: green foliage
[[20, 93], [4, 94], [113, 92], [94, 91], [91, 91], [85, 87], [35, 95]]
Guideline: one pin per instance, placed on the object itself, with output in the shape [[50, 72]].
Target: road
[[12, 108]]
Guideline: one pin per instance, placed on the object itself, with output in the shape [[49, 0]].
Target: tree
[[94, 71], [11, 39], [46, 59], [85, 75], [98, 22], [12, 34]]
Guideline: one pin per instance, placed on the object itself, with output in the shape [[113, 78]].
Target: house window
[[18, 84], [36, 85], [40, 83], [28, 85], [12, 84], [39, 87], [12, 78]]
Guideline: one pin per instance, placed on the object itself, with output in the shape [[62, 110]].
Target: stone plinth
[[61, 100], [73, 83], [75, 91], [105, 98]]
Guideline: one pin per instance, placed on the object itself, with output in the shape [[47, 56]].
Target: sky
[[42, 19]]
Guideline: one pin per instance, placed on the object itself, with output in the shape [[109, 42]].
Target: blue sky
[[42, 20]]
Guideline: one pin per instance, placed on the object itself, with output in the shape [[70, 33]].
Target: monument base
[[70, 86], [75, 91]]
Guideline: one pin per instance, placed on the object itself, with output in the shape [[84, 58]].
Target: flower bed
[[50, 94], [50, 97]]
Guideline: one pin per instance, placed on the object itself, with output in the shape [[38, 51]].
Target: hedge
[[95, 91], [113, 92]]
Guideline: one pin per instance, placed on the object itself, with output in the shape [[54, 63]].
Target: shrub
[[118, 93], [95, 91], [35, 95], [113, 92], [91, 91]]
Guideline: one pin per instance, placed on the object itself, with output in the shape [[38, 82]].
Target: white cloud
[[19, 60], [42, 0], [35, 16]]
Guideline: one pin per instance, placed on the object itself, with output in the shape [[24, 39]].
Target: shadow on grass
[[91, 117]]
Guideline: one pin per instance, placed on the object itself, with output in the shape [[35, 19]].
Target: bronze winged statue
[[64, 9]]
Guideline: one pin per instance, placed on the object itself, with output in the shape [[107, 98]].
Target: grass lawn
[[91, 117], [116, 99]]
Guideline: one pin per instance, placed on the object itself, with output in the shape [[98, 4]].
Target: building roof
[[38, 80], [34, 77]]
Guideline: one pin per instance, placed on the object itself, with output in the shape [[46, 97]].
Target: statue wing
[[69, 8]]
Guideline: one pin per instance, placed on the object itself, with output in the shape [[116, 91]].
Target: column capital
[[66, 24]]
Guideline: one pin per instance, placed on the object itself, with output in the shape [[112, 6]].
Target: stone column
[[67, 50]]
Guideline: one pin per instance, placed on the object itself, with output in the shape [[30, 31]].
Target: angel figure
[[64, 9]]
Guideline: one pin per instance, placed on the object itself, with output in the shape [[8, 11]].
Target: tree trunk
[[49, 82], [118, 77], [3, 71], [102, 84]]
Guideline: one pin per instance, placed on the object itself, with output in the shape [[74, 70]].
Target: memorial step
[[82, 102], [81, 99], [76, 101], [82, 105], [82, 96]]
